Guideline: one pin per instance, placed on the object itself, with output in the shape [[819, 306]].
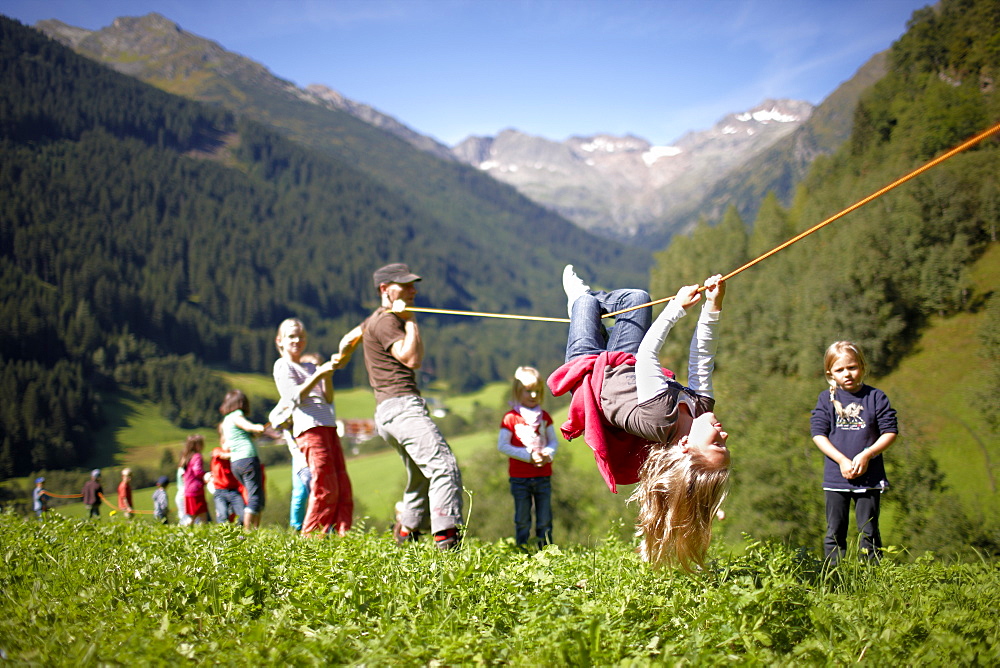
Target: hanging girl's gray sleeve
[[701, 356], [649, 377]]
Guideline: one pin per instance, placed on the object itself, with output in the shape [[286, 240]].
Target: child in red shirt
[[125, 493], [227, 490], [529, 439]]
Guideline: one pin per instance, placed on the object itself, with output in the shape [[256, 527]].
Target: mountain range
[[618, 187]]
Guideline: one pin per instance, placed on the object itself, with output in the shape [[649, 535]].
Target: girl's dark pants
[[838, 520]]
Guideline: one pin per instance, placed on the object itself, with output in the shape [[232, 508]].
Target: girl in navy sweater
[[852, 425]]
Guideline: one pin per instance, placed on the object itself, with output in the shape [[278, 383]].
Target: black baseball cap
[[393, 273]]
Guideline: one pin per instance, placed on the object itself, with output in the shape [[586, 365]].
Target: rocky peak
[[330, 98], [157, 50], [769, 118], [620, 184]]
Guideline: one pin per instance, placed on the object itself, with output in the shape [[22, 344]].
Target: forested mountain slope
[[877, 277], [143, 235], [465, 202]]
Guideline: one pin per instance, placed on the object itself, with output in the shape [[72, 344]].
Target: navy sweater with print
[[868, 416]]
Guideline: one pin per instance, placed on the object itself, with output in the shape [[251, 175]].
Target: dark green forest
[[876, 277], [145, 238]]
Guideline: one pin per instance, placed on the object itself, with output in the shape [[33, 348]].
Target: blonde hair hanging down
[[678, 495], [834, 351]]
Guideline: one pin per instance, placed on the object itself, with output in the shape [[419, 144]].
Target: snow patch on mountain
[[768, 115], [657, 152]]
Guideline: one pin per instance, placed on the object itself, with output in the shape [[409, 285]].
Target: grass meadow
[[78, 593]]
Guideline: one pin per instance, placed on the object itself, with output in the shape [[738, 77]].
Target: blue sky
[[553, 68]]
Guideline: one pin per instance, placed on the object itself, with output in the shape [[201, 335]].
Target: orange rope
[[110, 505], [898, 182]]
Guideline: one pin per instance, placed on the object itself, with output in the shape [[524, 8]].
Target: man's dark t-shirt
[[387, 375]]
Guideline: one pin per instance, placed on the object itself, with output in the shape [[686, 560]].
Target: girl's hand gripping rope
[[715, 292], [688, 296]]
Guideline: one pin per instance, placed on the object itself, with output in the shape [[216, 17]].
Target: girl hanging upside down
[[643, 426]]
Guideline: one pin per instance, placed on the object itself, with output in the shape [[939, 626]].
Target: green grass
[[215, 595], [137, 433], [962, 447], [493, 395], [252, 384], [78, 593], [134, 423]]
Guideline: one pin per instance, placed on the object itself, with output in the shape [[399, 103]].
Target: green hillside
[[464, 200], [144, 237], [948, 371], [189, 276], [957, 439]]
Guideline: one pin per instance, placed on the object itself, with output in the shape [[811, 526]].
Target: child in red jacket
[[529, 439]]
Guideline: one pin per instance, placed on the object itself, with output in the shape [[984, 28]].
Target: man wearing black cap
[[393, 351]]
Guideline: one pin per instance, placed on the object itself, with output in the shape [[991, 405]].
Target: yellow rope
[[117, 509], [484, 315]]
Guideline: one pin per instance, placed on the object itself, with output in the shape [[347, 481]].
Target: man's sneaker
[[403, 535], [449, 539]]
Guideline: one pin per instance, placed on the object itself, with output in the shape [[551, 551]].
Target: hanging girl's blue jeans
[[589, 336]]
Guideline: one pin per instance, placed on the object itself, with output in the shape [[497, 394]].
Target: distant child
[[125, 494], [529, 439], [238, 433], [301, 482], [852, 425], [225, 487], [160, 504], [40, 498], [92, 492], [183, 519], [301, 475], [194, 479], [314, 427]]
